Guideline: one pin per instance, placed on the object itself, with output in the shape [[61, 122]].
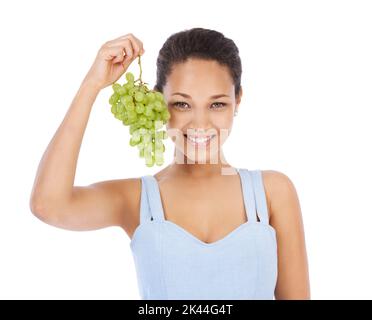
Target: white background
[[307, 79]]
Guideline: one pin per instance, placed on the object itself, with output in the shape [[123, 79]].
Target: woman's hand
[[113, 59]]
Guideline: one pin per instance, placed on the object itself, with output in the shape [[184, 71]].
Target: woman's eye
[[184, 105], [180, 105], [219, 105]]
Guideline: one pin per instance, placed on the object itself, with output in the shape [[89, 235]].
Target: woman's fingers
[[137, 44], [119, 57], [127, 53], [117, 53], [113, 59]]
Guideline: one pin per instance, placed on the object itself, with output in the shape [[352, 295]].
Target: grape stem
[[140, 67], [141, 83]]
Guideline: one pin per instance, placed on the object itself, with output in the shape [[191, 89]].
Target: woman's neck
[[201, 170]]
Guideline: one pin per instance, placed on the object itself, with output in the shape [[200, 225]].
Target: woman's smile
[[199, 140]]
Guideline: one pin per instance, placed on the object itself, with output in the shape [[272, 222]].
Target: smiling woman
[[200, 228], [213, 229]]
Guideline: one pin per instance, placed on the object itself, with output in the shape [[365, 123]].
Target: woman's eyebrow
[[212, 97]]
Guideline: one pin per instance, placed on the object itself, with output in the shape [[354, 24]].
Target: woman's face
[[201, 101]]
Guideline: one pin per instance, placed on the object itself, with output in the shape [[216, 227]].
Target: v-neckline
[[192, 236], [195, 238]]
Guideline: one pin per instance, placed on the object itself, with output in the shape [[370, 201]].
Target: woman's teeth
[[199, 140]]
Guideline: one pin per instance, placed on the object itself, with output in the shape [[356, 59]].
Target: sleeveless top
[[171, 263]]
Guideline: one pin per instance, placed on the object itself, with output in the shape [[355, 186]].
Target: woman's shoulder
[[274, 177], [280, 191]]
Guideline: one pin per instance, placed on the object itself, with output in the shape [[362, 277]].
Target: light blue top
[[171, 263]]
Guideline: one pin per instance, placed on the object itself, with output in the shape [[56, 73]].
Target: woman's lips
[[199, 141]]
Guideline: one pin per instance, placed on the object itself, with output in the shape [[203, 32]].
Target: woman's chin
[[204, 156]]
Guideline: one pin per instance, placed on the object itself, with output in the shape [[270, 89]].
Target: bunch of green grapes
[[145, 112]]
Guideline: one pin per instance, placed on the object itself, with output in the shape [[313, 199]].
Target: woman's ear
[[239, 98]]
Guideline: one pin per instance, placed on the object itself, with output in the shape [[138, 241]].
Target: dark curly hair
[[198, 43]]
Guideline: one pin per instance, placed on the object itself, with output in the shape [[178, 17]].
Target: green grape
[[158, 153], [140, 108], [114, 98], [122, 91], [145, 100], [151, 115], [126, 99], [133, 128], [113, 109], [159, 135], [158, 118], [130, 106], [148, 111], [159, 96], [158, 124], [133, 142], [149, 158], [147, 137], [132, 120], [158, 106], [141, 145], [129, 76], [136, 136], [139, 96], [148, 124], [120, 107], [128, 85], [165, 115], [158, 144], [132, 114], [159, 162], [151, 96], [115, 87], [145, 112], [142, 120], [150, 161]]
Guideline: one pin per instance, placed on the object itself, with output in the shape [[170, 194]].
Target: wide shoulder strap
[[260, 196], [151, 206], [248, 194], [145, 212]]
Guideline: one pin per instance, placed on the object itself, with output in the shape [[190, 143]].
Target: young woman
[[200, 228]]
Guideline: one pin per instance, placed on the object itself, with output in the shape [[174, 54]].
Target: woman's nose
[[200, 119]]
